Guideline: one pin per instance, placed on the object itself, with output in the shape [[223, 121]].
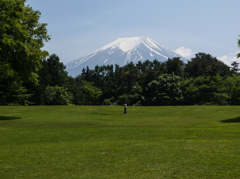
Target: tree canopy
[[21, 38], [205, 65]]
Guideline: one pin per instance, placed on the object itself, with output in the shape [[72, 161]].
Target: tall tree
[[175, 65], [51, 74], [206, 65], [22, 37], [56, 71], [234, 68]]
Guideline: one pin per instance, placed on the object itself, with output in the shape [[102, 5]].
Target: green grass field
[[101, 142]]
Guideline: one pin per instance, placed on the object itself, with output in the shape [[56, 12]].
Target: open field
[[101, 142]]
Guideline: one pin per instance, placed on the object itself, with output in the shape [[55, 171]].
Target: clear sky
[[80, 27]]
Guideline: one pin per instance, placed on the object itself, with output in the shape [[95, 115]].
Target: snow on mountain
[[122, 51]]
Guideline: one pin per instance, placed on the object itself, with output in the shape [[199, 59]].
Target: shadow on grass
[[234, 120], [5, 118]]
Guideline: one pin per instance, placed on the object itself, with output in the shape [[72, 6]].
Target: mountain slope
[[121, 52]]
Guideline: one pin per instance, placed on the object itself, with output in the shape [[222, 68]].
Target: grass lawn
[[101, 142]]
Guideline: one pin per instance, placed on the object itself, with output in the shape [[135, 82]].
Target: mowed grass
[[101, 142]]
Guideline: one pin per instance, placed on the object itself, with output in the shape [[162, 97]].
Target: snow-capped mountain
[[122, 51]]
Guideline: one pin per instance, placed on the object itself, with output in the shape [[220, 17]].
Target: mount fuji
[[123, 51]]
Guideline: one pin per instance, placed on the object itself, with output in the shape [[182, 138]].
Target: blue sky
[[80, 27]]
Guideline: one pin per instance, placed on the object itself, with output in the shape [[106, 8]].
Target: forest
[[203, 80]]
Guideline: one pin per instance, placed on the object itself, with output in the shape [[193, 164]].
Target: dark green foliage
[[53, 74], [176, 66], [235, 95], [205, 65], [13, 93], [108, 101], [89, 95], [22, 37], [232, 85], [205, 90], [163, 91], [235, 69], [55, 95], [56, 71], [150, 83], [74, 89], [144, 83]]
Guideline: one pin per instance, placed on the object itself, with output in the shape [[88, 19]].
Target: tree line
[[202, 80]]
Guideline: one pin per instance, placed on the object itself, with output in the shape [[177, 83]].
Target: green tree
[[22, 37], [74, 89], [12, 92], [56, 70], [176, 66], [55, 95], [206, 65], [205, 90], [90, 95], [87, 93], [235, 96], [232, 84], [166, 90], [234, 68], [52, 73]]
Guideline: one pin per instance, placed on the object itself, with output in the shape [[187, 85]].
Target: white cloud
[[228, 59], [185, 52]]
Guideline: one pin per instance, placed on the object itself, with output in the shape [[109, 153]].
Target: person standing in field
[[125, 108]]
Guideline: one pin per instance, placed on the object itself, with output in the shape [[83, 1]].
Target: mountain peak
[[122, 51], [127, 44]]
